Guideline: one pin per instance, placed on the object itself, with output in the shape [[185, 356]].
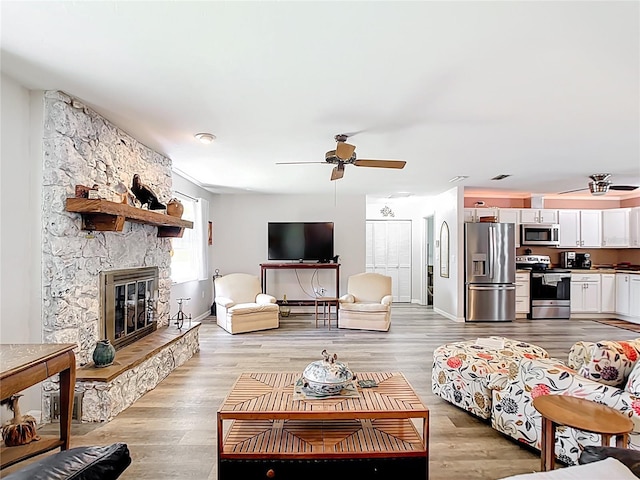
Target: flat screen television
[[300, 241]]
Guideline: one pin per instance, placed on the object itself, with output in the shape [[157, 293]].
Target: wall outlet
[[203, 294]]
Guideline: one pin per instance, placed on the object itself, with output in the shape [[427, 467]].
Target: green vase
[[104, 354]]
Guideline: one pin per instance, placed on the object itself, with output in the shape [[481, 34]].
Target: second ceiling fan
[[345, 154], [600, 185]]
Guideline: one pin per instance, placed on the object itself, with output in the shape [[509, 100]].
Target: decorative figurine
[[21, 429], [145, 195]]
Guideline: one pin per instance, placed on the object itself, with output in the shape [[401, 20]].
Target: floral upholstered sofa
[[606, 372], [500, 384]]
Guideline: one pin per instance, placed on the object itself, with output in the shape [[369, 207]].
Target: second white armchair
[[367, 304]]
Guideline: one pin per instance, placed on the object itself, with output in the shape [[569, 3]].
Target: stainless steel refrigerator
[[490, 272]]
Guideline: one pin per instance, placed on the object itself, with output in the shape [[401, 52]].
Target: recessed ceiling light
[[205, 138], [458, 178]]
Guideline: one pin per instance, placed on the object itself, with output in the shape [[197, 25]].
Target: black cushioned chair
[[81, 463]]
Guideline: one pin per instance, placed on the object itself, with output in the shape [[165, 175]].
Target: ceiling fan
[[600, 184], [345, 154]]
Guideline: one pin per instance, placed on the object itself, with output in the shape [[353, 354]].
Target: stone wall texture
[[82, 148]]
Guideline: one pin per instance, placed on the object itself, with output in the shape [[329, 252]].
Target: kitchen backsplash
[[599, 256]]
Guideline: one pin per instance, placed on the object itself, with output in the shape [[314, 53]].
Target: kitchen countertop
[[590, 271]]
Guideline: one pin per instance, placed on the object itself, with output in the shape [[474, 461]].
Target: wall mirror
[[444, 250]]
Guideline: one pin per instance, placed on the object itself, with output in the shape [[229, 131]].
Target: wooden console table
[[24, 365], [264, 267], [273, 435]]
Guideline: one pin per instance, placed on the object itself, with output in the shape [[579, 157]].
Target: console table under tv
[[299, 266]]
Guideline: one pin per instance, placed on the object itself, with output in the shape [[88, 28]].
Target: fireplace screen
[[129, 303]]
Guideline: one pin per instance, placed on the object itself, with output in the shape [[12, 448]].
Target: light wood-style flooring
[[171, 431]]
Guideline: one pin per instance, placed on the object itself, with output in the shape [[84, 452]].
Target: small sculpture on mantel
[[145, 195]]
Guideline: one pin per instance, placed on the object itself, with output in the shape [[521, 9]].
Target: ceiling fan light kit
[[600, 185]]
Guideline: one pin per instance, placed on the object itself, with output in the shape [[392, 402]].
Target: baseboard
[[448, 315]]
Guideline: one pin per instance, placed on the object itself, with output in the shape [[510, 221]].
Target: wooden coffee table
[[268, 433], [582, 414]]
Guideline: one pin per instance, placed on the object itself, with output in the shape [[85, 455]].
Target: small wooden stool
[[326, 303], [581, 414]]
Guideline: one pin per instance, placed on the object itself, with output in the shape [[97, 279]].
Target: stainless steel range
[[550, 290]]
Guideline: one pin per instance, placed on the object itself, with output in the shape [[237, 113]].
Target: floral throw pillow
[[633, 382], [611, 362]]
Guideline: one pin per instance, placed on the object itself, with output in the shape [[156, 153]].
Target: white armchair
[[242, 307], [367, 304]]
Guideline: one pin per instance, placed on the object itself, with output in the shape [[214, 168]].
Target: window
[[189, 258]]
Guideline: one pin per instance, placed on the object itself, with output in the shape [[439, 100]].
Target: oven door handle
[[492, 287]]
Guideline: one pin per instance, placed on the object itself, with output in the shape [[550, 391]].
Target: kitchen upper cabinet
[[534, 215], [615, 227], [585, 293], [634, 227], [473, 215], [580, 228], [511, 215], [608, 293]]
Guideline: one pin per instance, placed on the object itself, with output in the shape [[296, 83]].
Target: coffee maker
[[583, 260], [568, 259]]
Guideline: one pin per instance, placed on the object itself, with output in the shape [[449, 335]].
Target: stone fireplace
[[128, 304], [80, 147]]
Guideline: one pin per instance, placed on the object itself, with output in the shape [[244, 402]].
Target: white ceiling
[[545, 91]]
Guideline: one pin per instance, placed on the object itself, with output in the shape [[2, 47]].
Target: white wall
[[20, 230], [449, 292], [200, 292], [240, 236]]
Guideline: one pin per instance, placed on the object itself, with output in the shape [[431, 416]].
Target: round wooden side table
[[581, 414]]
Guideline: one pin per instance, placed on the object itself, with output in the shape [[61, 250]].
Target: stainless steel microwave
[[547, 234]]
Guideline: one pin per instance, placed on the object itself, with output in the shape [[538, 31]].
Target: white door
[[389, 253], [608, 293]]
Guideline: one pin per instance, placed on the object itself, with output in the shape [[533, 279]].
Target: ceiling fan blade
[[344, 151], [338, 172], [571, 191], [380, 163], [624, 188], [298, 163]]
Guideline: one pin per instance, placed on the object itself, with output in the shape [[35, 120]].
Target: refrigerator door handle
[[492, 247]]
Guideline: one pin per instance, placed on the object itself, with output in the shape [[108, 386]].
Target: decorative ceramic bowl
[[327, 376]]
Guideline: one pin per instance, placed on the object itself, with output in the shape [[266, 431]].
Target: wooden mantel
[[105, 216]]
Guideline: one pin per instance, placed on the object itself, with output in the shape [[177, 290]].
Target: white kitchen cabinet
[[615, 227], [608, 293], [580, 228], [634, 296], [534, 215], [585, 293], [511, 215], [473, 215], [622, 293], [522, 293], [634, 227]]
